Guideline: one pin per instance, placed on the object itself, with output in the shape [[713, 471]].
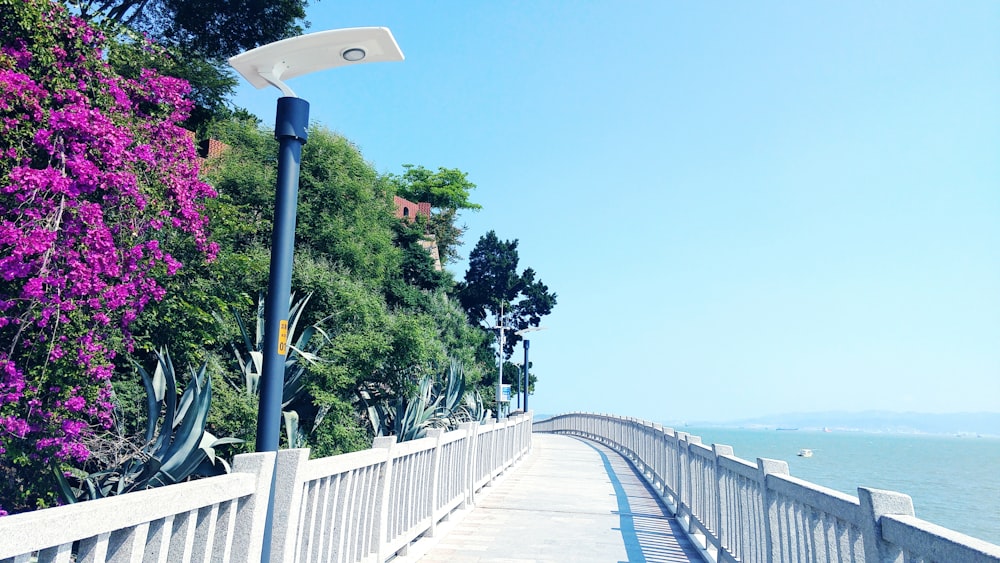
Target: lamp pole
[[501, 327], [526, 343], [290, 129], [525, 383], [269, 65]]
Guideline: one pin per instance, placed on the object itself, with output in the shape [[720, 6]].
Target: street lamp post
[[269, 65], [521, 333], [501, 327], [524, 386]]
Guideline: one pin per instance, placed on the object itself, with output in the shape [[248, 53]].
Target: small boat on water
[[805, 453]]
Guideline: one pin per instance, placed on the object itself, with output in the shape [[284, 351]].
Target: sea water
[[954, 481]]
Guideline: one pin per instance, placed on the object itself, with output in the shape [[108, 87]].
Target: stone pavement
[[570, 500]]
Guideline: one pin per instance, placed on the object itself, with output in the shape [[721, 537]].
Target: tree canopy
[[191, 40], [447, 190], [373, 286], [492, 284], [213, 29]]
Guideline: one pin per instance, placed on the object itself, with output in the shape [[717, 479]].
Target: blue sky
[[744, 208]]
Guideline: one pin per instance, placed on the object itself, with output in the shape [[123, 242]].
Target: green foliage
[[461, 340], [439, 401], [447, 234], [492, 284], [516, 380], [386, 317], [204, 28], [416, 274], [233, 412], [345, 210], [304, 347], [341, 431], [447, 190], [176, 444]]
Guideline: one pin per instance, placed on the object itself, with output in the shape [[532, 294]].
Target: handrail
[[739, 511], [367, 505], [217, 519]]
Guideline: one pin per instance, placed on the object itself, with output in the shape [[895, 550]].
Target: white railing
[[361, 506], [739, 511]]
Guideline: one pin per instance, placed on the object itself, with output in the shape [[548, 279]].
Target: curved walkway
[[570, 500]]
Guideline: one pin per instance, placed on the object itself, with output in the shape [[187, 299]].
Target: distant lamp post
[[270, 65], [526, 342], [501, 328]]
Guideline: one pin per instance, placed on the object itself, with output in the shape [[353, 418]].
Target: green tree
[[372, 285], [417, 277], [444, 189], [492, 285], [447, 190], [210, 28], [516, 378], [345, 213], [193, 40]]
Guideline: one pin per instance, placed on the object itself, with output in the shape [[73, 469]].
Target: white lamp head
[[273, 63]]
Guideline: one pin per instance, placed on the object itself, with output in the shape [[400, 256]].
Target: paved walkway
[[570, 501]]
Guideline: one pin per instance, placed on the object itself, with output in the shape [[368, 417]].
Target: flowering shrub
[[98, 190]]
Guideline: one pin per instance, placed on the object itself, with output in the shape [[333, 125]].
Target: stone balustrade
[[741, 511], [367, 505]]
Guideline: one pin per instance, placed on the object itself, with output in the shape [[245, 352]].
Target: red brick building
[[406, 209]]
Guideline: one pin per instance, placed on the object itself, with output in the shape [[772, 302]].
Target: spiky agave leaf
[[178, 447], [421, 412], [152, 404], [189, 429], [165, 387], [455, 386], [293, 433], [304, 350]]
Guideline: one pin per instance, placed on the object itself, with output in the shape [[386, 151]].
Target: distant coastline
[[984, 424]]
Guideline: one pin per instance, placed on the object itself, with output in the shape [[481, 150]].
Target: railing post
[[248, 531], [383, 503], [656, 442], [874, 504], [490, 454], [287, 502], [438, 435], [530, 429], [679, 460], [772, 526], [721, 504], [468, 462]]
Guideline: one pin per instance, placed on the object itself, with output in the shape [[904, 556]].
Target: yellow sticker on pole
[[283, 338]]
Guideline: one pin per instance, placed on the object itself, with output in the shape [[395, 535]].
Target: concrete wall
[[742, 511]]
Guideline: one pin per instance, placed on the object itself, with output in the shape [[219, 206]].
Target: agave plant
[[176, 445], [439, 402], [304, 347]]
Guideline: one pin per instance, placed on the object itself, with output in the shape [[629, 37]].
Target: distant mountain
[[981, 423]]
